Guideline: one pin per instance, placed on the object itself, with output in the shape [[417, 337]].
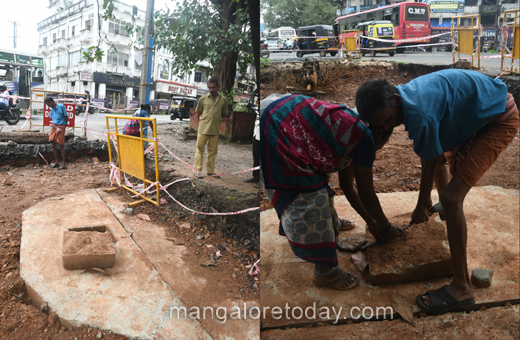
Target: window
[[44, 41], [117, 27], [54, 63], [137, 66], [88, 25], [53, 38], [120, 59], [63, 60], [63, 34], [165, 70], [73, 31], [75, 58], [198, 77], [73, 83]]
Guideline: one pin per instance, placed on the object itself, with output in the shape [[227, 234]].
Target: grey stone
[[481, 278], [129, 211]]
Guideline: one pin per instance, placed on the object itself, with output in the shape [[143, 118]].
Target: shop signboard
[[175, 88], [443, 6], [114, 80], [71, 114]]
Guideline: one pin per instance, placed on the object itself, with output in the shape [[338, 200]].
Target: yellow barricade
[[350, 43], [513, 28], [465, 36], [131, 158]]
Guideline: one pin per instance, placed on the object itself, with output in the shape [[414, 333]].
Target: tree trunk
[[226, 70]]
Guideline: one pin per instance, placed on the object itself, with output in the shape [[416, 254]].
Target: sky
[[28, 13]]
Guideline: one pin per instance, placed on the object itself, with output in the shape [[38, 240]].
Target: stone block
[[481, 278], [87, 249], [421, 254]]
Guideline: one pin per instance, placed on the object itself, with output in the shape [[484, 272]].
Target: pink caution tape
[[255, 269]]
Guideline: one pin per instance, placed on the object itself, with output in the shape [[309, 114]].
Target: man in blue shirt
[[57, 135], [461, 115]]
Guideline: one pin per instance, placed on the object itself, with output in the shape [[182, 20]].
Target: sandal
[[54, 165], [345, 224], [339, 279], [438, 297], [62, 167]]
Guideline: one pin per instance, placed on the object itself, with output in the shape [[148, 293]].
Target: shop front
[[165, 90], [118, 92]]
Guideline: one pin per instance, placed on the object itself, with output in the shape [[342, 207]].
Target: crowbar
[[436, 208]]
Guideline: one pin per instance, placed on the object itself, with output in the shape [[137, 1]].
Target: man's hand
[[193, 112], [420, 214]]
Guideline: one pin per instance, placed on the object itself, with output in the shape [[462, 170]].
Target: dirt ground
[[397, 168], [236, 236]]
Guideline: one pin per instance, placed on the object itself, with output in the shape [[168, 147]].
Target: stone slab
[[422, 253], [87, 249], [134, 301], [191, 283], [492, 221]]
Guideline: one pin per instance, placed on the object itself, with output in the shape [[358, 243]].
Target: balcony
[[488, 9], [62, 44], [85, 36], [43, 50], [119, 40]]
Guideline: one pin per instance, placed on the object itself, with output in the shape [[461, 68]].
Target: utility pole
[[146, 71], [14, 34]]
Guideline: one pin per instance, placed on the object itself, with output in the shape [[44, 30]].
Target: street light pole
[[146, 71]]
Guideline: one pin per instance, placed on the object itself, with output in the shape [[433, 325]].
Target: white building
[[76, 25]]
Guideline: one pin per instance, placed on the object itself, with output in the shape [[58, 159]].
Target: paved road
[[428, 58], [96, 122]]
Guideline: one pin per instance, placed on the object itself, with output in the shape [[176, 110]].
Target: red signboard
[[71, 113]]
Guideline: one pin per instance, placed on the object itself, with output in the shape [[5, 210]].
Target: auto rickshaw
[[180, 107], [380, 29], [316, 39]]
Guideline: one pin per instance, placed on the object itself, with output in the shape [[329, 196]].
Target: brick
[[423, 254], [87, 249]]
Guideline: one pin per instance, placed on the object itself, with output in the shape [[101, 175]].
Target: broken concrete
[[422, 253], [492, 221], [87, 249]]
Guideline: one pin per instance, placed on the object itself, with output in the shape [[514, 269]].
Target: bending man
[[463, 115]]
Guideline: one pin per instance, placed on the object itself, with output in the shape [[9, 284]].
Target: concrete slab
[[492, 219], [422, 253], [494, 323], [134, 301], [189, 282]]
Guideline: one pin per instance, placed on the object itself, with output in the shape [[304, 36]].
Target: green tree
[[297, 13]]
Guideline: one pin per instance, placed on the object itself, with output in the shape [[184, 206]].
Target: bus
[[410, 20], [21, 72], [276, 37]]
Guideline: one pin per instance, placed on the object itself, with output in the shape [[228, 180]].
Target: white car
[[272, 44]]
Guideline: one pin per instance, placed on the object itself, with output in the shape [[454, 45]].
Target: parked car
[[486, 47]]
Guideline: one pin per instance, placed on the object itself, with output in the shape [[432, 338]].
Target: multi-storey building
[[76, 25]]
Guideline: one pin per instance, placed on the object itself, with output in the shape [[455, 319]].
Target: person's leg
[[56, 161], [452, 199], [199, 152], [212, 153], [441, 179], [62, 147]]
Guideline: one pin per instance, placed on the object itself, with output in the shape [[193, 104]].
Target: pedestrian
[[210, 109], [256, 143], [133, 126], [4, 100], [59, 120], [463, 115], [302, 140]]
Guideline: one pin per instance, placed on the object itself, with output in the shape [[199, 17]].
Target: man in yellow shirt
[[210, 109]]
